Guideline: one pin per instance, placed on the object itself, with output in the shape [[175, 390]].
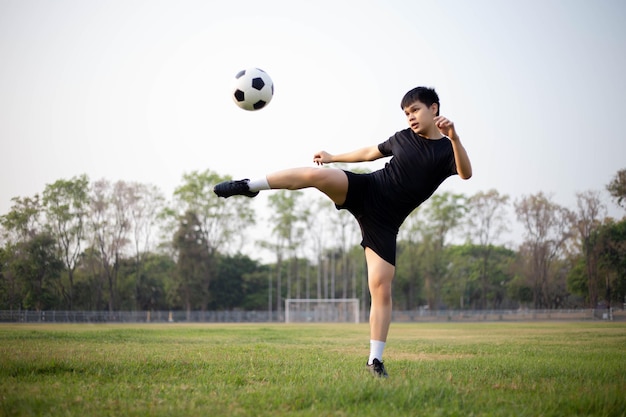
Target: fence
[[508, 315], [238, 316]]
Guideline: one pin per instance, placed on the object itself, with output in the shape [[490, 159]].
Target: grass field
[[487, 369]]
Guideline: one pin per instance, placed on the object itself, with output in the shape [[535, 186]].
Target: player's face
[[420, 117]]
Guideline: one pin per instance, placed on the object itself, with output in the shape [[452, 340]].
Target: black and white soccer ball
[[253, 89]]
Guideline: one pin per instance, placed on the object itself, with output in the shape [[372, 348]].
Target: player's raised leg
[[238, 187], [380, 273], [331, 181]]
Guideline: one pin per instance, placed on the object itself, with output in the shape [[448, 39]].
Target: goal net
[[313, 310]]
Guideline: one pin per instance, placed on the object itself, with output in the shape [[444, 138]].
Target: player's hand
[[446, 127], [322, 157]]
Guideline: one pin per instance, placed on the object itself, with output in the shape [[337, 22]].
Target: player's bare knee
[[381, 296], [316, 176], [380, 288]]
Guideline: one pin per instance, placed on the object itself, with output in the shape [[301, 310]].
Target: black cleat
[[229, 188], [377, 369]]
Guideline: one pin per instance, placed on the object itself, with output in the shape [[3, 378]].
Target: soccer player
[[422, 157]]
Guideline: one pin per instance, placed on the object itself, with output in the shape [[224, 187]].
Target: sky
[[140, 90]]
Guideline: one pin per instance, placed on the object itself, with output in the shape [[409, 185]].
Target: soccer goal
[[311, 310]]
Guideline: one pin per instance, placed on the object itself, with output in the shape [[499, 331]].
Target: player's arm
[[463, 164], [369, 153], [461, 159]]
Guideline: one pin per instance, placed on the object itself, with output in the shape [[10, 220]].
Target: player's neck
[[432, 134]]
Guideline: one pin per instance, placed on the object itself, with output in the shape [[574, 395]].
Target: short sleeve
[[385, 147]]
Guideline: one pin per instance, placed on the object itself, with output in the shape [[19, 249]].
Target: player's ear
[[434, 109]]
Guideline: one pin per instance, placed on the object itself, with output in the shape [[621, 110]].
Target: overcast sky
[[140, 90]]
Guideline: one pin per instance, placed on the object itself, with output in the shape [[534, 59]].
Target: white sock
[[259, 184], [376, 351]]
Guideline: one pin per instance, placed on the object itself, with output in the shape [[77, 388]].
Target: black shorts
[[364, 201]]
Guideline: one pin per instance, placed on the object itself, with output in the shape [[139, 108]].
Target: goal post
[[312, 310]]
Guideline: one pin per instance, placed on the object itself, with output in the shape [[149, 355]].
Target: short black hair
[[425, 95]]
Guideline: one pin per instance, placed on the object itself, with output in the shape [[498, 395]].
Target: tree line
[[102, 245]]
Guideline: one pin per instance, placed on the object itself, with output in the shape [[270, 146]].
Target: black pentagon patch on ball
[[240, 74], [259, 105], [239, 95], [258, 83]]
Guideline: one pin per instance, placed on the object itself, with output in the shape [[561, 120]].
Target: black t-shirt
[[417, 167], [381, 200]]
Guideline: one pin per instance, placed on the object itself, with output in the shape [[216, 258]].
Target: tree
[[66, 203], [547, 229], [255, 289], [466, 265], [219, 221], [444, 213], [193, 263], [410, 262], [486, 222], [288, 219], [23, 220], [24, 280], [11, 287], [110, 224], [346, 234], [587, 220], [611, 239], [39, 267], [318, 231], [158, 276], [145, 203], [90, 281], [617, 188], [234, 284]]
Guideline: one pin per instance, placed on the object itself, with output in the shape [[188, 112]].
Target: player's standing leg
[[380, 274], [334, 183]]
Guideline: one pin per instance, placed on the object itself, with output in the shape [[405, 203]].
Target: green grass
[[493, 369]]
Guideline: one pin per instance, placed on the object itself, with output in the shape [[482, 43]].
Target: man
[[423, 156]]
